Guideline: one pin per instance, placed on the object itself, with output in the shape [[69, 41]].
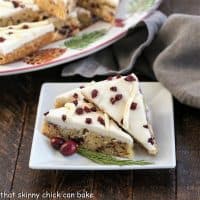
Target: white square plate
[[160, 103]]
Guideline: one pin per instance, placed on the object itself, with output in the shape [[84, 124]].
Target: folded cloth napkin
[[172, 52]]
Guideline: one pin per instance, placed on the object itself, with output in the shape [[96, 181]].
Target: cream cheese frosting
[[8, 8], [121, 99], [104, 127], [14, 37]]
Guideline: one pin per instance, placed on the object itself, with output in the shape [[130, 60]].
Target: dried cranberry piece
[[133, 106], [151, 140], [94, 93], [146, 126], [25, 26], [57, 142], [114, 89], [2, 39], [79, 111], [118, 97], [112, 100], [118, 76], [75, 95], [15, 4], [101, 120], [130, 78], [88, 120], [69, 148], [93, 109], [46, 113], [75, 102], [87, 109], [64, 117]]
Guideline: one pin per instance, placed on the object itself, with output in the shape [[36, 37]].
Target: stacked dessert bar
[[41, 22]]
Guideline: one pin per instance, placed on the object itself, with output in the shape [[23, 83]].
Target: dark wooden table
[[18, 102]]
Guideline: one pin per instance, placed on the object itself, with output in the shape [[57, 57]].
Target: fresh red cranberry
[[64, 117], [93, 109], [146, 126], [94, 93], [130, 78], [75, 95], [69, 148], [88, 120], [101, 120], [2, 39], [87, 109], [118, 97], [151, 141], [114, 89], [133, 106], [57, 142], [79, 111]]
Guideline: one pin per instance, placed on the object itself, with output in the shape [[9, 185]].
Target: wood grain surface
[[18, 103]]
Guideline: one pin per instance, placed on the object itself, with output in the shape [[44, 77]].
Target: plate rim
[[34, 165]]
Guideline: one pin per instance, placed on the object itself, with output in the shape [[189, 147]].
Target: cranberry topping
[[112, 100], [151, 140], [133, 106], [94, 93], [93, 109], [130, 78], [46, 113], [87, 109], [146, 126], [118, 76], [101, 120], [88, 120], [75, 102], [114, 89], [118, 97], [75, 95], [79, 111], [64, 117], [69, 148], [57, 142], [2, 39]]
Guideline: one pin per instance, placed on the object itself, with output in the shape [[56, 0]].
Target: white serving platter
[[130, 13]]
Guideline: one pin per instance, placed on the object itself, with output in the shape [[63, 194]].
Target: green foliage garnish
[[140, 5], [104, 159], [84, 40]]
